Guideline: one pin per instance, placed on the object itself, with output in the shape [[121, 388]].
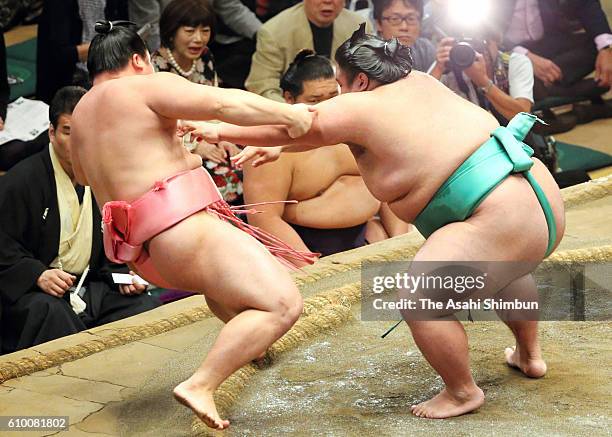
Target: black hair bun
[[391, 47], [103, 27], [303, 54]]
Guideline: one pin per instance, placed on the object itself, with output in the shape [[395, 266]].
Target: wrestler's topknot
[[103, 26], [385, 61]]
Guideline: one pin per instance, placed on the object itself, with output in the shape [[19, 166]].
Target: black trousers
[[233, 62], [575, 54], [37, 317], [14, 151]]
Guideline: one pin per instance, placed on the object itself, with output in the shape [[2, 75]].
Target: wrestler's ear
[[139, 63], [361, 82], [288, 97]]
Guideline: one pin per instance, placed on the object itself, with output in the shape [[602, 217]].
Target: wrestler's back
[[123, 146], [414, 134]]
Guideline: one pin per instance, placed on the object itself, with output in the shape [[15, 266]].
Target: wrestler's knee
[[288, 308]]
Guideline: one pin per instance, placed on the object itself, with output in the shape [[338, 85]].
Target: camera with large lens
[[463, 53]]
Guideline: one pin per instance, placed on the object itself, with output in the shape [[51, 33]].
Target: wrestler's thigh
[[477, 246], [207, 255]]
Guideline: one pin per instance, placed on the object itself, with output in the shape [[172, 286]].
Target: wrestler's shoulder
[[122, 88]]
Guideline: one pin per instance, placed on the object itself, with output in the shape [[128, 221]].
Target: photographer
[[500, 82]]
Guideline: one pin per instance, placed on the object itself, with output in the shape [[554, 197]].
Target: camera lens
[[462, 55]]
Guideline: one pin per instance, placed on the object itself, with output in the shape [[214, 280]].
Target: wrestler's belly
[[129, 182], [345, 203], [407, 183], [405, 191]]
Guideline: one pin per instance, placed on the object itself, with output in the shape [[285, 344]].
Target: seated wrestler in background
[[161, 209], [335, 208], [469, 186], [49, 235]]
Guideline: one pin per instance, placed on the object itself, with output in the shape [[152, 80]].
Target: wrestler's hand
[[55, 282], [132, 289], [302, 118], [261, 155], [199, 130], [183, 127]]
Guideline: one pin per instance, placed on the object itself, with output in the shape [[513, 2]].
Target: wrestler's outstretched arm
[[337, 120], [177, 98], [331, 125]]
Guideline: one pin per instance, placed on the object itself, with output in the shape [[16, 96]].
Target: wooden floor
[[20, 34]]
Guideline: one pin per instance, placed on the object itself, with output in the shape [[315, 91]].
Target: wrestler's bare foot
[[531, 365], [260, 360], [445, 404], [201, 401]]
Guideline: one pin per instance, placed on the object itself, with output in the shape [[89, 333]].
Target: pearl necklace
[[178, 68]]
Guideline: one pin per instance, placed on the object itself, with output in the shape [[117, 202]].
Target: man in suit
[[319, 25], [544, 31], [234, 41], [50, 234]]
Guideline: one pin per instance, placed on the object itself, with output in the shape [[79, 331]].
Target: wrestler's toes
[[510, 353], [417, 409]]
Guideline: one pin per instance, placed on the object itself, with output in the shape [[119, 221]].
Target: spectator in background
[[234, 42], [50, 234], [402, 19], [147, 12], [319, 25], [185, 29], [64, 31], [266, 9], [335, 210], [543, 31]]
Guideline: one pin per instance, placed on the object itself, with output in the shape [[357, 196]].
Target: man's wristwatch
[[485, 89]]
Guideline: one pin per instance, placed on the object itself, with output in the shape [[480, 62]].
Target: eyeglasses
[[396, 20]]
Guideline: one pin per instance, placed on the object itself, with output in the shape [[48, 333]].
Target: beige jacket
[[282, 37]]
